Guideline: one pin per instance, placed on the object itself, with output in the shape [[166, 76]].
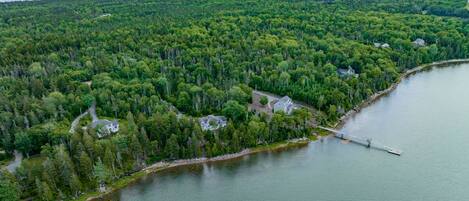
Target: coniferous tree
[[101, 173], [172, 147], [86, 166]]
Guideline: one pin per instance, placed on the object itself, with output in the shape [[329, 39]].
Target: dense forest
[[455, 8], [157, 66]]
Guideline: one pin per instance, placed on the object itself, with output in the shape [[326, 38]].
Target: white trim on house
[[285, 104], [212, 122]]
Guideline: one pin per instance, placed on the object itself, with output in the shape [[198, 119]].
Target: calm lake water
[[427, 117]]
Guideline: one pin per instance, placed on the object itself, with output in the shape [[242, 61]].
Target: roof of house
[[103, 122], [212, 118], [346, 72], [284, 104], [205, 122], [419, 42], [381, 45]]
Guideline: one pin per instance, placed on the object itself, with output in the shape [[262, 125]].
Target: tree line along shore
[[317, 133]]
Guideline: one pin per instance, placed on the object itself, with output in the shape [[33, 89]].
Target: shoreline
[[183, 162], [376, 96], [160, 166]]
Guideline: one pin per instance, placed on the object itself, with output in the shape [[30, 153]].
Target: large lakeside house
[[285, 104], [349, 72], [212, 122], [382, 45], [105, 127], [419, 42]]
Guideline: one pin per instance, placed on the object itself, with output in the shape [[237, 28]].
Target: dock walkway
[[367, 142]]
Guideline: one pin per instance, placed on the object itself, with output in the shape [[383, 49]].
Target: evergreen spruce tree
[[86, 166], [172, 147]]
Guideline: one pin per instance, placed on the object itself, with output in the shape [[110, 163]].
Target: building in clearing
[[346, 72], [105, 15], [419, 42], [105, 127], [212, 122], [285, 104], [382, 45]]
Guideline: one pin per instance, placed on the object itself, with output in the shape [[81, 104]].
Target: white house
[[105, 127], [212, 122], [285, 104]]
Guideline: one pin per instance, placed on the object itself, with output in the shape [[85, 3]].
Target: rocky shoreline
[[165, 165], [160, 166]]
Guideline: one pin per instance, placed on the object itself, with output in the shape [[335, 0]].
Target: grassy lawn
[[281, 144], [321, 132]]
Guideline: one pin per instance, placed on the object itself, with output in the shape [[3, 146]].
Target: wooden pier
[[367, 142]]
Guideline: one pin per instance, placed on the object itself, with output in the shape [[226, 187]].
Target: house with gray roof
[[382, 45], [349, 72], [212, 122], [105, 127], [419, 42], [385, 45], [285, 104]]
